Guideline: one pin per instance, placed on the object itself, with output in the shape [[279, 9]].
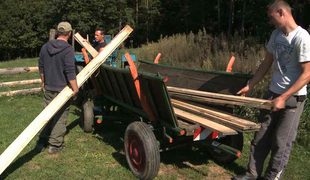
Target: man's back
[[57, 64]]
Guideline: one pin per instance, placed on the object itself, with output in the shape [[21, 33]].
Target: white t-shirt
[[288, 52]]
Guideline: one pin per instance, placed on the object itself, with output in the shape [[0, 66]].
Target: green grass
[[19, 63], [100, 155]]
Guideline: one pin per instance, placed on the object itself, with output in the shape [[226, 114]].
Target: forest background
[[25, 24]]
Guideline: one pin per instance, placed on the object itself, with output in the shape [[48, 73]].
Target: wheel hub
[[136, 153]]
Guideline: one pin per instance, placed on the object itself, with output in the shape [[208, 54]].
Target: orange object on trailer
[[142, 97], [230, 64], [97, 91], [157, 58]]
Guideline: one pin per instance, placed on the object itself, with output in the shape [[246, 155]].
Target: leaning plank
[[205, 122], [218, 101], [237, 124], [25, 137], [21, 92], [211, 111], [86, 45], [220, 96], [18, 83], [18, 70]]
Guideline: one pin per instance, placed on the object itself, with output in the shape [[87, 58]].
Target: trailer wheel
[[88, 116], [142, 152], [234, 141]]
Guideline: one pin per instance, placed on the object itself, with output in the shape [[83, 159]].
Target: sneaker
[[41, 145], [54, 149]]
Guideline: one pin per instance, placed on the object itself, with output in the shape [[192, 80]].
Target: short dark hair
[[101, 30], [279, 3]]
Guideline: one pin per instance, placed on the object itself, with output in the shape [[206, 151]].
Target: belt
[[301, 98]]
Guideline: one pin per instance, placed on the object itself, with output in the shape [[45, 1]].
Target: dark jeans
[[55, 130], [277, 133]]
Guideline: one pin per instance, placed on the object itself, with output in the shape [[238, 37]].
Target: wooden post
[[73, 32], [26, 136], [52, 34]]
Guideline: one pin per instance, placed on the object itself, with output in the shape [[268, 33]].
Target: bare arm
[[279, 102], [74, 87], [100, 50], [42, 80], [259, 75]]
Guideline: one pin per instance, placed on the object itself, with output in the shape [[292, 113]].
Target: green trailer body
[[145, 138]]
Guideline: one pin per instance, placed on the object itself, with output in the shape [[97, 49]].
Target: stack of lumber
[[189, 107], [209, 97], [22, 91]]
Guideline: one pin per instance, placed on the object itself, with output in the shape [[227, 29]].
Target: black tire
[[142, 151], [88, 116], [234, 141]]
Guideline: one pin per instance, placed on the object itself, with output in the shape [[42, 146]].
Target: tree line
[[25, 24]]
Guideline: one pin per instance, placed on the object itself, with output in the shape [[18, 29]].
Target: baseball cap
[[64, 27]]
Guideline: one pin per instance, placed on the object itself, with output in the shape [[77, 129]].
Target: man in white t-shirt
[[288, 52]]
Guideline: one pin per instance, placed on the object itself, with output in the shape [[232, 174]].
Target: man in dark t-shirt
[[99, 37]]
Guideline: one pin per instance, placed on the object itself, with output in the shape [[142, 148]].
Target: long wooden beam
[[22, 91], [18, 70], [18, 83], [205, 122], [208, 100], [92, 51], [249, 100], [27, 135]]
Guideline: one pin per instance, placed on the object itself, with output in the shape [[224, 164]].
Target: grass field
[[100, 155]]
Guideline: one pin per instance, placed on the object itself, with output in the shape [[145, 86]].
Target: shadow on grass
[[19, 163], [31, 154], [187, 157], [75, 122]]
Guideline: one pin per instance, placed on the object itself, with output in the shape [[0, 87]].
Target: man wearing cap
[[57, 70]]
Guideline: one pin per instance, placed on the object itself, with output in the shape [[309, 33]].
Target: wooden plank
[[18, 70], [213, 112], [73, 43], [92, 51], [18, 83], [52, 34], [205, 122], [124, 88], [218, 101], [240, 124], [115, 86], [100, 82], [107, 83], [21, 92], [26, 136], [150, 99], [220, 96]]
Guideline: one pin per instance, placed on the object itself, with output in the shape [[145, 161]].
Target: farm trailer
[[141, 99]]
